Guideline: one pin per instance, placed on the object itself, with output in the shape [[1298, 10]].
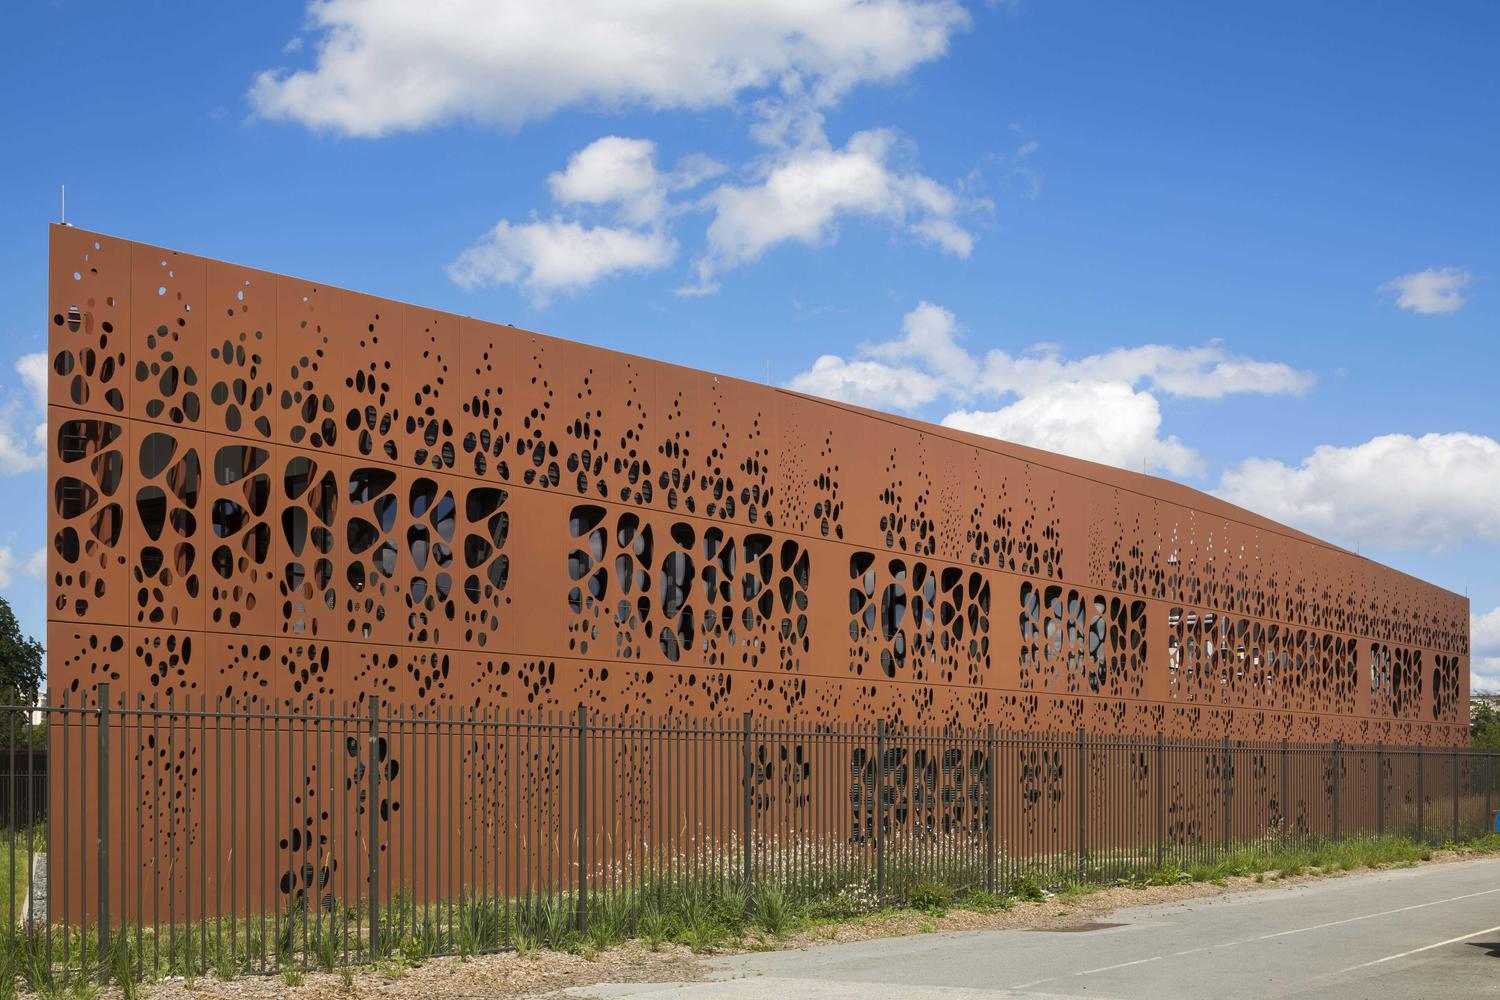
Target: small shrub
[[771, 912], [415, 949], [982, 901], [1025, 887], [122, 971], [325, 948], [701, 930], [652, 926], [930, 896]]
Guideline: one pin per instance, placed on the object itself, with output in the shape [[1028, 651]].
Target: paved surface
[[1416, 932]]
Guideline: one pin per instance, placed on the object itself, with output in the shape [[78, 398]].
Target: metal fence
[[221, 836]]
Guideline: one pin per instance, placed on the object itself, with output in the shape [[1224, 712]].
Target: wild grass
[[15, 867], [701, 914]]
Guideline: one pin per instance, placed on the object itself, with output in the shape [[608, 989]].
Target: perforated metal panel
[[263, 487]]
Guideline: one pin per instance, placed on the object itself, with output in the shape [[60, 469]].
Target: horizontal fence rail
[[187, 838]]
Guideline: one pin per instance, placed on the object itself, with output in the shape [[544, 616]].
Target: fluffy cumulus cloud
[[799, 194], [12, 566], [616, 211], [381, 66], [23, 418], [1102, 407], [616, 181], [1432, 291], [549, 256], [1106, 422], [1484, 648], [1393, 491]]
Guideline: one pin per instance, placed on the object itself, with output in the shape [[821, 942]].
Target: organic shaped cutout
[[156, 452], [366, 483], [235, 462]]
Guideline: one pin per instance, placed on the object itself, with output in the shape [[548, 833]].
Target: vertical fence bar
[[103, 825], [880, 810], [992, 814], [1286, 792], [1489, 786], [1161, 800], [372, 807], [749, 803], [1421, 805], [583, 819], [1380, 789], [1083, 781], [1228, 795], [1455, 795], [1338, 787]]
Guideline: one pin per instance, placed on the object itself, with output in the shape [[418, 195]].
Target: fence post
[[1286, 792], [1228, 793], [1338, 787], [1455, 795], [583, 818], [1489, 785], [1421, 806], [880, 811], [103, 827], [1380, 789], [372, 806], [1161, 801], [1083, 795], [991, 814], [745, 825]]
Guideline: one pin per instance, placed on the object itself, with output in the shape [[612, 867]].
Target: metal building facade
[[264, 488]]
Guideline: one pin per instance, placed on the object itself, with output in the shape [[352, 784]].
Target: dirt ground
[[510, 975]]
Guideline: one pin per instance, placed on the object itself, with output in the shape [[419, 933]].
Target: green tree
[[20, 660], [1484, 725]]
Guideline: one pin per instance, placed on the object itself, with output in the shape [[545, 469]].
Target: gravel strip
[[509, 975]]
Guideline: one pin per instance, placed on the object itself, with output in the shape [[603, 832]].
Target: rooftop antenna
[[63, 197], [768, 371]]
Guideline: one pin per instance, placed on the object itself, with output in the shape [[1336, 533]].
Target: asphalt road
[[1418, 932]]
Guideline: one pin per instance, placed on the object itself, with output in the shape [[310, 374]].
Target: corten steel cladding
[[263, 490]]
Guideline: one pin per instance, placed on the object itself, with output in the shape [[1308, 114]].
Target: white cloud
[[1105, 422], [802, 192], [23, 418], [1484, 633], [613, 170], [1393, 491], [613, 175], [868, 383], [1431, 291], [34, 565], [1484, 647], [546, 257], [930, 340], [390, 65], [33, 371], [1484, 664], [1102, 407]]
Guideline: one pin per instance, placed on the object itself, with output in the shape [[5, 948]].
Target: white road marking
[[1416, 951], [1122, 965], [1335, 923], [1277, 934]]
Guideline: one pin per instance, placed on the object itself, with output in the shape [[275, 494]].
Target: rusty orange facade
[[266, 488]]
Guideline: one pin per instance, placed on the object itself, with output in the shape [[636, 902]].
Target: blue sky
[[1251, 248]]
